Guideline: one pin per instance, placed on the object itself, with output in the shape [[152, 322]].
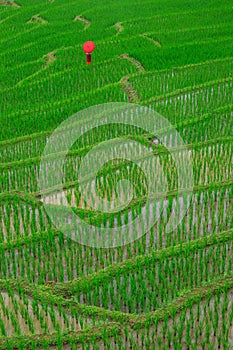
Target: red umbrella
[[88, 48]]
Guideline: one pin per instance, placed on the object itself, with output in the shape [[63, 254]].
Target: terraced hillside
[[163, 289]]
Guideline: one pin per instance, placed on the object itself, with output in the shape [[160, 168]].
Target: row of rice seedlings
[[18, 74], [151, 84], [146, 283], [213, 203], [206, 324], [51, 255], [21, 314], [179, 19], [32, 146], [133, 43], [170, 109], [211, 163], [66, 84], [20, 219], [192, 101], [64, 340], [41, 88], [198, 318], [162, 104], [209, 212], [218, 124], [206, 164], [34, 39], [51, 114], [186, 37]]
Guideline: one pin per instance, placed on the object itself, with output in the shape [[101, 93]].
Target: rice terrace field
[[116, 177]]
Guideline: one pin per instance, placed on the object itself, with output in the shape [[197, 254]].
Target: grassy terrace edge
[[129, 265], [44, 134], [117, 319], [34, 198]]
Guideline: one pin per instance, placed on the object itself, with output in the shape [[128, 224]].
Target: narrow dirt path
[[155, 42], [86, 22], [128, 88], [10, 3], [126, 85], [37, 19], [50, 58], [119, 27], [133, 60]]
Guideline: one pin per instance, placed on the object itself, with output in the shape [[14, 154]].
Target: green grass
[[166, 289]]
